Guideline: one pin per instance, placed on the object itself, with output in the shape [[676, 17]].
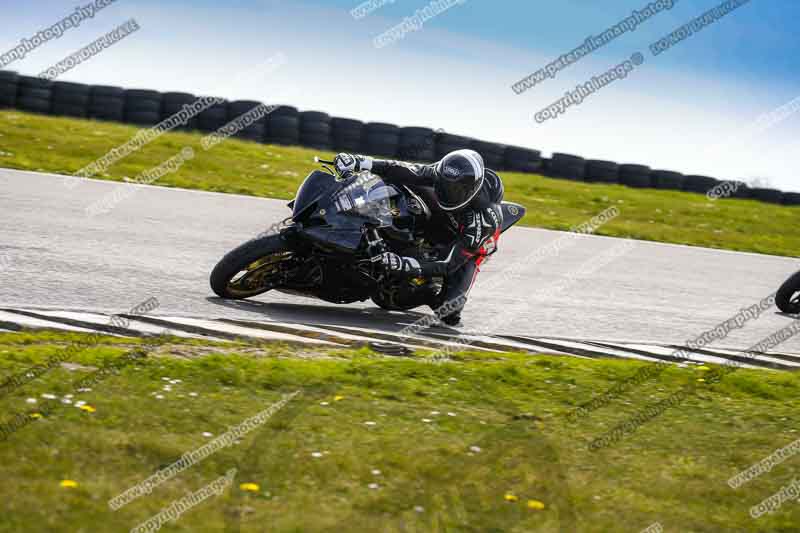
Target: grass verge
[[375, 443], [64, 146]]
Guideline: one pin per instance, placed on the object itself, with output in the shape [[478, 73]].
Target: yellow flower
[[36, 415], [535, 504], [68, 484], [88, 408], [250, 487], [703, 368], [510, 497], [338, 398], [701, 380]]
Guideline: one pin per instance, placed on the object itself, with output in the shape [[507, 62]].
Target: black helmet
[[459, 177]]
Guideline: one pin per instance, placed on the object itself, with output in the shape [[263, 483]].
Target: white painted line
[[793, 356], [389, 336], [791, 359], [600, 350], [135, 325], [512, 346], [241, 331], [721, 360], [770, 357], [30, 322], [337, 333]]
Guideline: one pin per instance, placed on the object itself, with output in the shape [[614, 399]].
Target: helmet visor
[[453, 194]]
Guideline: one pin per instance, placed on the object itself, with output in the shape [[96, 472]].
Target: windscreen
[[370, 197]]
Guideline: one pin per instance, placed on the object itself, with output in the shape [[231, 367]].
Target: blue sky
[[685, 110]]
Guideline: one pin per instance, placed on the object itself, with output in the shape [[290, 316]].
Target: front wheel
[[252, 268], [788, 297]]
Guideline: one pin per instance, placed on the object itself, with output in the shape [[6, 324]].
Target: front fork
[[376, 246]]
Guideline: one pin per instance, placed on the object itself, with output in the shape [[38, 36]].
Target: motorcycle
[[788, 297], [326, 248]]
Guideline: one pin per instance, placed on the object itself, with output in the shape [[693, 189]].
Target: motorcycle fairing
[[512, 213]]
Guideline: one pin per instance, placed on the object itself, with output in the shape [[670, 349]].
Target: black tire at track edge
[[667, 180], [237, 259], [67, 110], [106, 91], [762, 194], [142, 118], [783, 298], [791, 198], [41, 94], [34, 105]]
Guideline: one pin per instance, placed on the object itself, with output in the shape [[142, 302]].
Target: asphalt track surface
[[164, 242]]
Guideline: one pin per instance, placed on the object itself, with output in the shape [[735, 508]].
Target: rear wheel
[[788, 297], [252, 268]]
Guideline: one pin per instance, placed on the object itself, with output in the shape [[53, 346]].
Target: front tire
[[788, 297], [252, 268]]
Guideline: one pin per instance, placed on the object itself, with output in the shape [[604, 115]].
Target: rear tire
[[243, 258], [788, 297]]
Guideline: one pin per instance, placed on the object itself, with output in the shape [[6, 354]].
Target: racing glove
[[347, 163], [397, 266]]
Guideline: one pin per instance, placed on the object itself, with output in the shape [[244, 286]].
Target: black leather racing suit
[[472, 231]]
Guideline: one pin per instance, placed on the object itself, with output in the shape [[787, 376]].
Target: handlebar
[[327, 165]]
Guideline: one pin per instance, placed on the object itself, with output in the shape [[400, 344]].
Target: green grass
[[673, 470], [62, 145]]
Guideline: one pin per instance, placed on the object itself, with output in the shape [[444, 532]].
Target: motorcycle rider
[[466, 215]]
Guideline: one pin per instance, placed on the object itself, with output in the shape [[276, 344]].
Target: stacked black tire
[[9, 83], [347, 134], [637, 176], [142, 107], [791, 198], [699, 184], [493, 154], [446, 143], [107, 103], [567, 166], [771, 196], [743, 191], [417, 144], [283, 126], [315, 130], [34, 94], [213, 117], [600, 171], [522, 160], [667, 180], [380, 139], [286, 125], [257, 131], [70, 99], [173, 102]]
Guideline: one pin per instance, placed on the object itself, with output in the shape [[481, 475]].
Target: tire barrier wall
[[286, 125]]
